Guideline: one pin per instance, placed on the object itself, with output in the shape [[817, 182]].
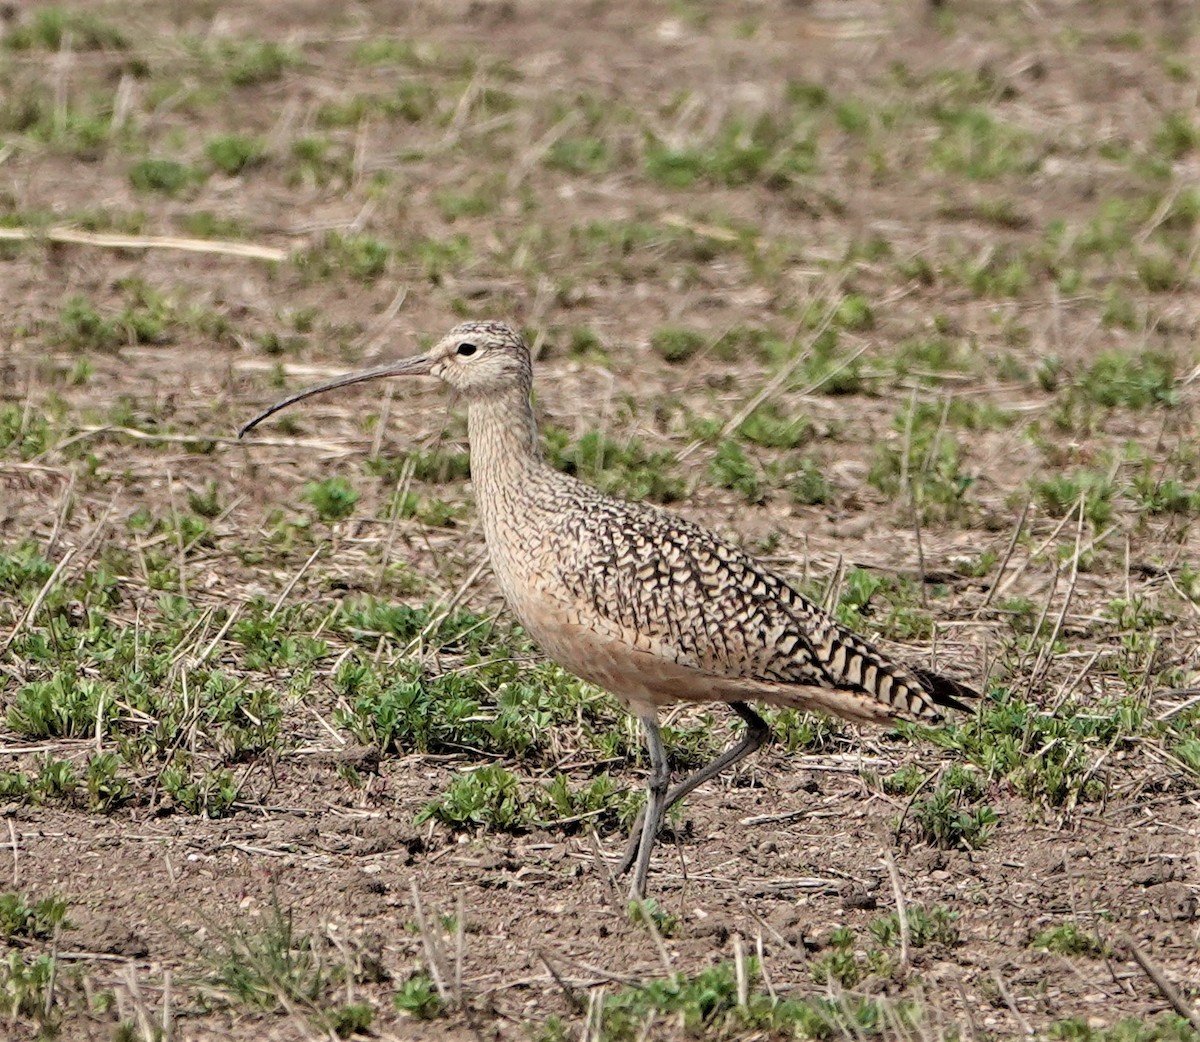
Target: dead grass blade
[[1168, 990], [110, 241]]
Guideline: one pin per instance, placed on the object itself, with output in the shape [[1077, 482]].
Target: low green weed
[[731, 468], [489, 797], [1130, 380], [927, 463], [707, 1005], [1062, 493], [1070, 939], [1050, 758], [40, 920], [418, 997], [926, 926], [950, 815], [333, 498], [622, 468]]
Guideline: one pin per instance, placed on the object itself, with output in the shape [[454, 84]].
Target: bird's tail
[[945, 691]]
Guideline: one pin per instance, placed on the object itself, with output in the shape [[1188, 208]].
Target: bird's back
[[693, 610]]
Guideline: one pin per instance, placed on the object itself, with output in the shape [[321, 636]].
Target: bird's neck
[[505, 450]]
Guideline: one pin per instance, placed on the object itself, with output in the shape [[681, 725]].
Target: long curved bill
[[419, 366]]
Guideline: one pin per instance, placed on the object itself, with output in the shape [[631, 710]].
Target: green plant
[[926, 464], [651, 913], [1133, 381], [600, 802], [333, 498], [972, 142], [1188, 753], [42, 919], [843, 964], [1177, 135], [48, 26], [798, 731], [808, 485], [24, 433], [419, 998], [766, 149], [1051, 757], [579, 155], [770, 427], [65, 706], [1070, 939], [247, 63], [624, 468], [163, 176], [676, 344], [25, 988], [83, 326], [925, 927], [1064, 492], [354, 1018], [489, 797], [707, 1006], [947, 817], [731, 468], [271, 966], [362, 257], [107, 789], [211, 793], [234, 153]]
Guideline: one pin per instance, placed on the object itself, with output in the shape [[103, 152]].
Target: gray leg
[[656, 795], [757, 732]]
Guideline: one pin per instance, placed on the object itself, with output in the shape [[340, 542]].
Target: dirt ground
[[896, 211]]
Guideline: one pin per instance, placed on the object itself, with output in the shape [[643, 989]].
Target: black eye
[[466, 350]]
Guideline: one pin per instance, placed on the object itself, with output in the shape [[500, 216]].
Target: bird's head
[[479, 359]]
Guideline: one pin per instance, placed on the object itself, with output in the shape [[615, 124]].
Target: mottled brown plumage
[[641, 602]]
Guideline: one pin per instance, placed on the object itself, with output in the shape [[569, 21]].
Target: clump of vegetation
[[489, 797], [676, 344], [24, 433], [770, 427], [47, 26], [1063, 493], [743, 151], [926, 464], [950, 816], [273, 966], [163, 176], [418, 997], [1131, 381], [972, 142], [39, 920], [234, 153], [623, 468], [492, 798], [709, 1003], [438, 466], [1070, 939], [1053, 758], [926, 926], [333, 499], [731, 468]]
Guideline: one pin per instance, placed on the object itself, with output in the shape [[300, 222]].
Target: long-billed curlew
[[645, 604]]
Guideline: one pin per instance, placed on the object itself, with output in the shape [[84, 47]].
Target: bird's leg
[[656, 795], [757, 732]]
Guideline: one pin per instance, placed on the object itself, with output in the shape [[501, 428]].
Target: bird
[[642, 602]]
